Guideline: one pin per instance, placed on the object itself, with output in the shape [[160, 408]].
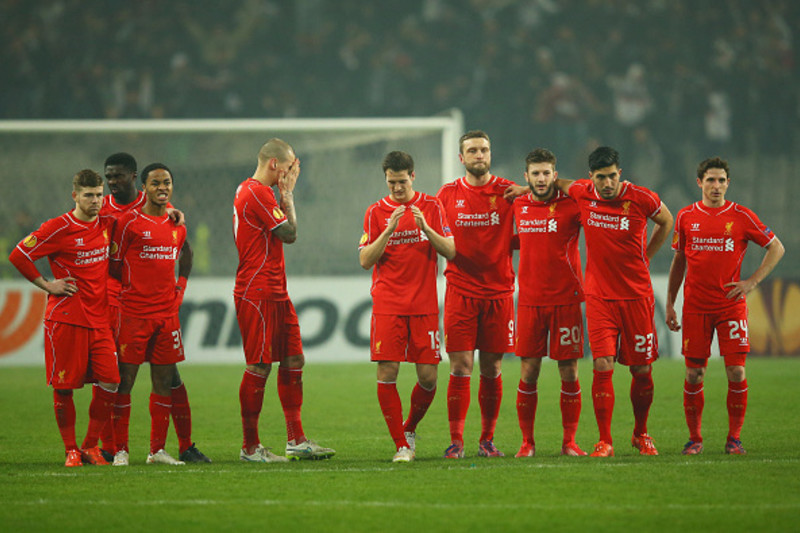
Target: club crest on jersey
[[460, 203], [105, 236], [30, 241], [728, 227], [493, 202], [626, 207], [277, 213], [364, 239], [552, 211], [175, 236]]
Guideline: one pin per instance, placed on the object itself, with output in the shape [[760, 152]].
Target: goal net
[[340, 161]]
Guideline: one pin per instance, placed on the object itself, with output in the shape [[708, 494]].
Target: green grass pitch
[[361, 490]]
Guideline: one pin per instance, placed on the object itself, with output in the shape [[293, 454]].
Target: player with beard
[[120, 173], [710, 241], [550, 295], [479, 298], [620, 304]]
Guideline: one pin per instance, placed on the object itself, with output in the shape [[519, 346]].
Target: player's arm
[[176, 215], [663, 220], [185, 261], [444, 246], [563, 184], [59, 287], [287, 232], [515, 191], [677, 271], [371, 253], [775, 251]]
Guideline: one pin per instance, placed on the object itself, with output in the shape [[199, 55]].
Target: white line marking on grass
[[566, 506]]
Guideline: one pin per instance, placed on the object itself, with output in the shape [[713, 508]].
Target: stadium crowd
[[650, 74]]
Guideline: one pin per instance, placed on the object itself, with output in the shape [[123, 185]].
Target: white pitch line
[[565, 506]]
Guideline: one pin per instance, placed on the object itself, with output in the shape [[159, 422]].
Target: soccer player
[[78, 340], [120, 173], [144, 253], [549, 315], [710, 241], [267, 319], [620, 304], [479, 298], [403, 232]]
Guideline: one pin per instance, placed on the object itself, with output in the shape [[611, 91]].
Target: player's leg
[[460, 333], [490, 395], [103, 368], [527, 400], [424, 351], [603, 338], [566, 347], [389, 401], [64, 349], [256, 331], [641, 399], [108, 444], [160, 409], [736, 402], [697, 334], [570, 401], [64, 408], [421, 398], [496, 336]]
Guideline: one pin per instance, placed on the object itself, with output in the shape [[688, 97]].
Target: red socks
[[527, 399], [421, 399], [392, 410], [458, 397], [290, 392], [570, 408], [737, 406], [490, 394], [65, 418], [251, 399], [693, 403], [121, 417], [160, 407], [182, 417], [641, 399], [99, 414], [603, 400]]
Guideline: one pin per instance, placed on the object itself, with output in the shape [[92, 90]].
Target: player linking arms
[[403, 233], [79, 346], [710, 241]]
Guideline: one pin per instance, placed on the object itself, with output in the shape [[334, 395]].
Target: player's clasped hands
[[419, 218], [394, 220]]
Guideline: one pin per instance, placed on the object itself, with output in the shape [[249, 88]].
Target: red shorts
[[270, 330], [731, 328], [412, 339], [155, 340], [75, 355], [623, 329], [562, 323], [477, 323]]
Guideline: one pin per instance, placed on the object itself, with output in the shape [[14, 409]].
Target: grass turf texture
[[361, 490]]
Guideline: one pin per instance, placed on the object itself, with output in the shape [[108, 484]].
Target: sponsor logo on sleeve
[[277, 213]]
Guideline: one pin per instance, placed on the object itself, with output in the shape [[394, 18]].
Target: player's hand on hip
[[62, 287], [740, 289]]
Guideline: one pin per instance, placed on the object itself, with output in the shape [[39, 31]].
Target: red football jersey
[[146, 249], [76, 249], [482, 222], [404, 278], [262, 271], [549, 259], [116, 210], [617, 267], [714, 240]]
